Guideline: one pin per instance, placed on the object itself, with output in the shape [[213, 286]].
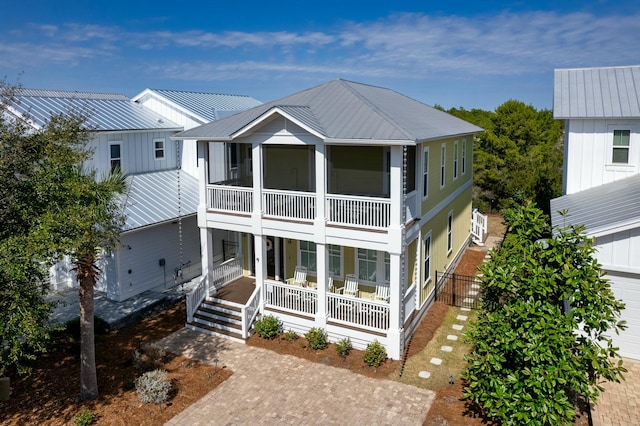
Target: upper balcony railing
[[343, 210]]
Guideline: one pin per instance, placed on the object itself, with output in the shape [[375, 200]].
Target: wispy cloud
[[402, 45]]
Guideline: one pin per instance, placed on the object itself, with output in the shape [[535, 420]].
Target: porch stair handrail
[[226, 272], [478, 226], [410, 301], [250, 311], [196, 296]]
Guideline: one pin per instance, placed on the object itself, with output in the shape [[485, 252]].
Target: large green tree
[[519, 153], [542, 336], [55, 208]]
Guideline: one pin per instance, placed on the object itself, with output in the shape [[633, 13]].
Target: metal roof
[[342, 110], [105, 111], [208, 106], [153, 198], [602, 208], [612, 92]]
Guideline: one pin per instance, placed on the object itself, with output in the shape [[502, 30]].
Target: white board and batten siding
[[137, 151], [619, 255], [588, 153]]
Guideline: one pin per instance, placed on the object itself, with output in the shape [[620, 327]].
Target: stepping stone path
[[446, 349], [462, 317], [424, 374], [457, 327], [436, 361], [452, 337]]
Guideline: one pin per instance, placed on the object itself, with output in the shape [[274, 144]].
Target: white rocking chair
[[299, 277], [350, 286]]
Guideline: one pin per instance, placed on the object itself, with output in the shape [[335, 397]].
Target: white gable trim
[[154, 94], [244, 131]]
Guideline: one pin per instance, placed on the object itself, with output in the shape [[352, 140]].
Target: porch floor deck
[[237, 291]]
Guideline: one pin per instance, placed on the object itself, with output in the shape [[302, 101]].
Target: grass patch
[[452, 362]]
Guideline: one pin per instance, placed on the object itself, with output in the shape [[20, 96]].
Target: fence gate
[[458, 290]]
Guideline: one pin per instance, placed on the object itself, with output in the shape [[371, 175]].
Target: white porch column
[[256, 214], [321, 191], [203, 179], [276, 256], [395, 299], [206, 248], [260, 250], [397, 200], [322, 275]]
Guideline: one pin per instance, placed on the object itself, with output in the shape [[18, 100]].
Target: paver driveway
[[268, 388], [619, 404]]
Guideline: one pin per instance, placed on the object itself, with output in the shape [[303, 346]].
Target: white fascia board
[[439, 138], [202, 138], [275, 110], [369, 142], [619, 227], [155, 130]]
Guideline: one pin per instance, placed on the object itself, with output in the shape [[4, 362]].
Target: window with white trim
[[455, 159], [427, 258], [158, 149], [115, 158], [307, 255], [425, 172], [443, 165], [335, 260], [372, 265], [464, 156], [450, 232], [620, 154]]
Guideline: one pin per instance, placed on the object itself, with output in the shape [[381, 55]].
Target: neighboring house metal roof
[[610, 92], [105, 111], [345, 111], [153, 198], [207, 106], [603, 209]]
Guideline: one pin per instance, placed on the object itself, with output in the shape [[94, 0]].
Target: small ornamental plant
[[317, 338], [290, 336], [85, 418], [153, 386], [343, 347], [268, 327], [375, 354]]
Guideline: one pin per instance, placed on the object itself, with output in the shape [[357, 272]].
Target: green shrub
[[343, 347], [149, 356], [375, 354], [290, 336], [317, 338], [268, 327], [153, 386], [85, 418]]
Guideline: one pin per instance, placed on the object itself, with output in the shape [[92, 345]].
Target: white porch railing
[[358, 312], [289, 204], [227, 272], [249, 312], [366, 212], [410, 301], [230, 198], [478, 225], [291, 298], [196, 296]]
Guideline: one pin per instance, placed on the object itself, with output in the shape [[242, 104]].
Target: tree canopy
[[519, 154], [542, 336]]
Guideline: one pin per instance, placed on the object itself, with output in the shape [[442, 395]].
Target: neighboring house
[[160, 241], [343, 186], [601, 182]]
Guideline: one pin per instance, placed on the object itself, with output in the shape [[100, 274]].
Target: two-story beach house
[[344, 200], [601, 182], [160, 243]]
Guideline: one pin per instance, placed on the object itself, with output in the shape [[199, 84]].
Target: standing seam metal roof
[[612, 92], [106, 112], [351, 111], [211, 106], [601, 208]]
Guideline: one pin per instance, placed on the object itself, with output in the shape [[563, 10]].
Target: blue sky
[[470, 54]]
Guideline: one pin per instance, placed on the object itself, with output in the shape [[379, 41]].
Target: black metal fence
[[458, 290]]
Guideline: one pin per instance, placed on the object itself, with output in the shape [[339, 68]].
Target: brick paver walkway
[[619, 404], [268, 388]]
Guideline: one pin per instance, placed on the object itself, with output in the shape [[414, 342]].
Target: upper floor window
[[455, 160], [620, 153], [443, 157], [158, 147], [450, 232], [427, 258], [308, 255], [115, 156], [425, 172], [464, 156]]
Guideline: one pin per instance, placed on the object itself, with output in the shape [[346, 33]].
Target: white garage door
[[626, 287]]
